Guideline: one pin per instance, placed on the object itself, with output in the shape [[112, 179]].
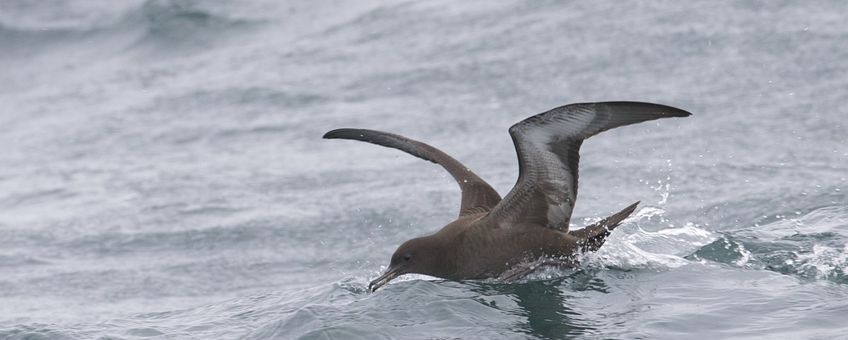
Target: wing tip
[[662, 109], [675, 112], [337, 133]]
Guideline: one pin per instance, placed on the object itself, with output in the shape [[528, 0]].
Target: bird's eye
[[407, 257]]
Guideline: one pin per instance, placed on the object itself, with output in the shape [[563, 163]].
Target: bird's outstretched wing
[[548, 147], [477, 195]]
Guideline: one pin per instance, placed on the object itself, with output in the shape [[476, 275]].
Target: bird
[[492, 236]]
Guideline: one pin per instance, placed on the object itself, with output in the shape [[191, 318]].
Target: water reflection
[[545, 304]]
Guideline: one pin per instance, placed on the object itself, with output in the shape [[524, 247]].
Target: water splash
[[662, 186], [634, 247], [647, 239]]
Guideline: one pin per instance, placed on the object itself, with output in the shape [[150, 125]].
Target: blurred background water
[[162, 173]]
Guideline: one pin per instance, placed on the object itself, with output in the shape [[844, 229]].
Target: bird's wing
[[477, 195], [548, 147]]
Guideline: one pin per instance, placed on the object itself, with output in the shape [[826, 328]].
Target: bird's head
[[421, 255]]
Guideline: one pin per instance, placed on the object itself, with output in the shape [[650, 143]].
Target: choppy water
[[163, 176]]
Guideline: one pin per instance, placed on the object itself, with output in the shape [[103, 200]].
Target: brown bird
[[492, 236]]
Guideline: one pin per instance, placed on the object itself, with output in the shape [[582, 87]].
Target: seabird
[[530, 225]]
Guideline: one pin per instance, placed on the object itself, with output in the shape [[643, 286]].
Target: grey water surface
[[162, 172]]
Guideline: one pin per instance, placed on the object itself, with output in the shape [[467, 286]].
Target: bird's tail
[[592, 237]]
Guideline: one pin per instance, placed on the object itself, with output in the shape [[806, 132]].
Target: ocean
[[163, 176]]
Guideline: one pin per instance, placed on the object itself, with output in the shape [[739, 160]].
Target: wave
[[19, 260], [154, 23], [19, 42], [37, 331], [810, 246], [171, 23]]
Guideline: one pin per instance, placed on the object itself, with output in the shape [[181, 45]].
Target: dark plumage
[[492, 235]]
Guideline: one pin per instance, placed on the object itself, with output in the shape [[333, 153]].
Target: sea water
[[162, 172]]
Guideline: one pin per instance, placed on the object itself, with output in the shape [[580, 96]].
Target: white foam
[[825, 262], [746, 255]]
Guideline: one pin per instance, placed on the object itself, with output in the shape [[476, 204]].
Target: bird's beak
[[389, 275]]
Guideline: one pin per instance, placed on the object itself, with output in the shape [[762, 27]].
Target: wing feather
[[477, 195], [548, 146]]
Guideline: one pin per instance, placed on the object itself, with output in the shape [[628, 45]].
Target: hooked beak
[[389, 275]]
